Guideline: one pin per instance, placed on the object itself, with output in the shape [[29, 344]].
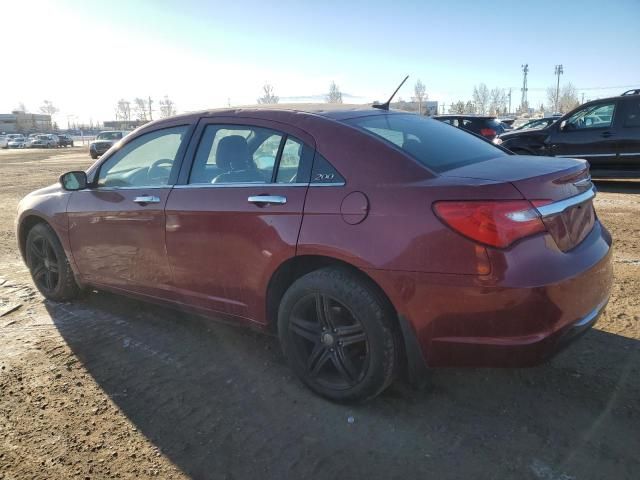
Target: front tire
[[339, 335], [49, 265]]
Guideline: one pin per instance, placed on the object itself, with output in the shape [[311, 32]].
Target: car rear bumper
[[526, 310]]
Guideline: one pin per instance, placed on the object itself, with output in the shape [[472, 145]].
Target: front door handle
[[146, 199], [607, 134], [262, 200]]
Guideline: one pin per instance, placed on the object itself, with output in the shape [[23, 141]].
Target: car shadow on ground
[[220, 402]]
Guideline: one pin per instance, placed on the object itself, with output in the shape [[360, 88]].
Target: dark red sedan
[[371, 242]]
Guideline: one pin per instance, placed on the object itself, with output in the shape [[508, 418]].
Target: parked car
[[371, 242], [605, 132], [537, 123], [42, 141], [65, 140], [486, 126], [17, 141], [5, 138], [103, 142]]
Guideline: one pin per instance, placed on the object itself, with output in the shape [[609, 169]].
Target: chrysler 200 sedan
[[371, 242]]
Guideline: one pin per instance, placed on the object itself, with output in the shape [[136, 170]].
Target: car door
[[117, 226], [629, 136], [588, 133], [236, 215]]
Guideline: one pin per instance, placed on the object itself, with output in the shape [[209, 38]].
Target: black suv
[[604, 132], [485, 126], [103, 142], [64, 140]]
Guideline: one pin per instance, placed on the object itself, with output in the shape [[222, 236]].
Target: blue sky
[[206, 53]]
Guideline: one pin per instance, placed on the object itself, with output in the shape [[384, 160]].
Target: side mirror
[[563, 125], [76, 180]]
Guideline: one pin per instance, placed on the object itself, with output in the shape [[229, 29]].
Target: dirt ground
[[114, 388]]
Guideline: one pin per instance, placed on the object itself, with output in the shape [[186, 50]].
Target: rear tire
[[49, 265], [339, 336]]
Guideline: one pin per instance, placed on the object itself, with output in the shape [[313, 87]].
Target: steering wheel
[[160, 170]]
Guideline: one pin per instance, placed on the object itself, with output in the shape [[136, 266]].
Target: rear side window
[[632, 115], [324, 172], [437, 146]]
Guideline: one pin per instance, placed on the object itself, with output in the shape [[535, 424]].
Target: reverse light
[[490, 133], [497, 223]]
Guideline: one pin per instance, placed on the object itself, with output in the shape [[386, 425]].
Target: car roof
[[338, 112]]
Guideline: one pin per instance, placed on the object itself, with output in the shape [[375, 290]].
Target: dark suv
[[64, 140], [104, 142], [604, 132], [485, 126]]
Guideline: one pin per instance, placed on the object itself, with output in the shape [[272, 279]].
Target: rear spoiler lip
[[557, 208]]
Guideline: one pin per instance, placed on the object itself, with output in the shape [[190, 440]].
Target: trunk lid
[[560, 188]]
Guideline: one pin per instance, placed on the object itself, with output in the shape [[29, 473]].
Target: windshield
[[536, 124], [436, 145], [109, 136]]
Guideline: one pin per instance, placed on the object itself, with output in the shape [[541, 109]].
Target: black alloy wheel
[[329, 341]]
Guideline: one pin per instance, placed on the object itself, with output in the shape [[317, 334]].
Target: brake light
[[495, 223], [490, 133]]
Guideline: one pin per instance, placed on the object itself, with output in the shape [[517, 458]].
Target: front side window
[[243, 154], [145, 161], [433, 144], [595, 116]]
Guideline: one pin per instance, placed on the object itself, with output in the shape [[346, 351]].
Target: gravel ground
[[109, 387]]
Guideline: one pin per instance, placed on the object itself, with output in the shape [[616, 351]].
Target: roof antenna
[[385, 106]]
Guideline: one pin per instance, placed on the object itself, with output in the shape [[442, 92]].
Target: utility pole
[[559, 71], [582, 98], [150, 109], [525, 89], [509, 101]]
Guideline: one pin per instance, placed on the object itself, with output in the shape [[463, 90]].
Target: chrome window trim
[[559, 207], [239, 184], [256, 184], [143, 187], [630, 154]]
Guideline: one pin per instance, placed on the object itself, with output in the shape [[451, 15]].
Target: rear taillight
[[490, 133], [494, 223]]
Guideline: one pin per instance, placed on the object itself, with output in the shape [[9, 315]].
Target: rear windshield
[[436, 145]]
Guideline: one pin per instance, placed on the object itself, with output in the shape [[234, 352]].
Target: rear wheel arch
[[294, 268]]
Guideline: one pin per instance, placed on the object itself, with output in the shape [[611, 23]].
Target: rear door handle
[[607, 134], [145, 199], [267, 200]]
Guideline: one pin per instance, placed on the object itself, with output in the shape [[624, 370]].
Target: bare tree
[[481, 98], [140, 109], [419, 95], [552, 98], [469, 107], [568, 97], [268, 96], [123, 110], [21, 107], [457, 107], [335, 95], [497, 101], [167, 107], [48, 108]]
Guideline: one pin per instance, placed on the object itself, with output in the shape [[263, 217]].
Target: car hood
[[51, 189]]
